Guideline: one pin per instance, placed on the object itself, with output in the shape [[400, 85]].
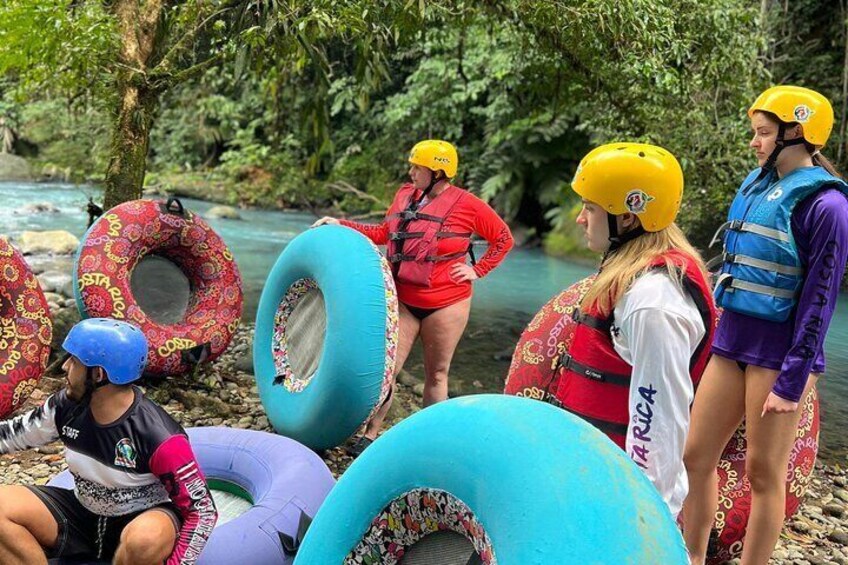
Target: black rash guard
[[141, 460]]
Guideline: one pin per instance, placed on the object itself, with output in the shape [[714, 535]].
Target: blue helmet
[[118, 347]]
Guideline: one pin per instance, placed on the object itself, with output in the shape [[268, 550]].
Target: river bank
[[224, 394]]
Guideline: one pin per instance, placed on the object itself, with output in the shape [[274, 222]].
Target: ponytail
[[821, 161], [824, 163]]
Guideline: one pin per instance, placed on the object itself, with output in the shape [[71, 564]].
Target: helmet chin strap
[[90, 387], [434, 180], [780, 143], [616, 239]]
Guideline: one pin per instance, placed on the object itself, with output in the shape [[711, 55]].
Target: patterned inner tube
[[545, 338], [126, 234], [734, 488], [398, 533], [25, 330], [326, 336], [513, 480]]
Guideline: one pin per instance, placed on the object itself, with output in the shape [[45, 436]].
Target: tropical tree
[[130, 52]]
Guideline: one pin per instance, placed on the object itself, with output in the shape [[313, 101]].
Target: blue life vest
[[761, 274]]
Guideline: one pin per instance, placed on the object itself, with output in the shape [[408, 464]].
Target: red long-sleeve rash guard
[[470, 214]]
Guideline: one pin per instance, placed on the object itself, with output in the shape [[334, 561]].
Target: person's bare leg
[[26, 525], [147, 540], [408, 329], [716, 413], [440, 334], [770, 439]]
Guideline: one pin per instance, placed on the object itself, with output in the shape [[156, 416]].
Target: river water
[[503, 304]]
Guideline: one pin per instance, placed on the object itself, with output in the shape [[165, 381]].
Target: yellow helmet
[[643, 179], [797, 104], [436, 155]]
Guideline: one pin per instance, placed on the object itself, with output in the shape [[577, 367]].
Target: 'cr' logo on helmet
[[636, 201], [802, 113]]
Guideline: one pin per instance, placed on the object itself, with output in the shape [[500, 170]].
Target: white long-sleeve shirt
[[657, 330]]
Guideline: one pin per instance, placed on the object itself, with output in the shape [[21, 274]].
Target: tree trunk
[[130, 142], [138, 21]]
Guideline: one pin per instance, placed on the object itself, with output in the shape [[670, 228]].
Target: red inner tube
[[550, 332], [127, 233], [25, 330]]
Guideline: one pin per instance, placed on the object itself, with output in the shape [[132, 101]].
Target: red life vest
[[414, 235], [591, 379]]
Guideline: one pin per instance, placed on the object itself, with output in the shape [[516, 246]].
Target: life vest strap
[[568, 363], [729, 283], [410, 215], [437, 258], [399, 235], [611, 428], [398, 257], [741, 226], [600, 324], [758, 263]]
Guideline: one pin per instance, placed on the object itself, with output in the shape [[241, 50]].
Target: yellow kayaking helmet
[[643, 179], [797, 104], [436, 155]]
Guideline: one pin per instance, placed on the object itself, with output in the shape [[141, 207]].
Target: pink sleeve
[[175, 465]]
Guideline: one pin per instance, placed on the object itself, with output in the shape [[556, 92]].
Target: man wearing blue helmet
[[139, 496]]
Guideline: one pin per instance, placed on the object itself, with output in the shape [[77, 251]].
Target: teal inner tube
[[523, 481], [326, 336]]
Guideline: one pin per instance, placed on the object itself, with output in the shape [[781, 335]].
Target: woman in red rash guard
[[427, 231]]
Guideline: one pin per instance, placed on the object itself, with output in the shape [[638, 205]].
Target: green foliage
[[300, 95], [70, 138], [48, 44], [807, 47], [566, 238]]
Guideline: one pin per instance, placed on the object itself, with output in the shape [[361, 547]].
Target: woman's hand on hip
[[462, 272], [778, 405], [324, 220]]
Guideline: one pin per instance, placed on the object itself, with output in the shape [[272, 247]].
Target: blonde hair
[[632, 260]]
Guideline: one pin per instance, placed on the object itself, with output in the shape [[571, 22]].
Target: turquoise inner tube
[[316, 391], [524, 481]]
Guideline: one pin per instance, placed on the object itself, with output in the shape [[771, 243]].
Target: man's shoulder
[[154, 423]]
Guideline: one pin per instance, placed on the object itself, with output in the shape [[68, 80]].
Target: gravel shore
[[224, 394]]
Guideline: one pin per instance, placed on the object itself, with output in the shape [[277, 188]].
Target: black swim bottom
[[420, 313], [83, 533]]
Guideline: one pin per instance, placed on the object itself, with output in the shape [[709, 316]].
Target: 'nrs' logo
[[775, 194]]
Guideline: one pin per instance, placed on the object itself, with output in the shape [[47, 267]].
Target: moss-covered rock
[[13, 168]]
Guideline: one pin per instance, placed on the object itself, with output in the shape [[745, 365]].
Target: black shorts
[[83, 533]]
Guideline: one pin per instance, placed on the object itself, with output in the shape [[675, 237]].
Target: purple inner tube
[[286, 481]]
